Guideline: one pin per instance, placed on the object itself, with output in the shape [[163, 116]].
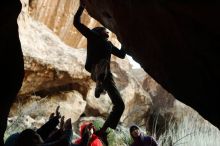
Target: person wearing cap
[[139, 139]]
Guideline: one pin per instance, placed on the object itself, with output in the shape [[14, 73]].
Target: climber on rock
[[99, 51]]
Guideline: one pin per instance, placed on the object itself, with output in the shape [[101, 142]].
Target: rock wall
[[11, 61], [175, 42]]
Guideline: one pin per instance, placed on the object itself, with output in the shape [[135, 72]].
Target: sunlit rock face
[[175, 42], [58, 16], [71, 105], [49, 63]]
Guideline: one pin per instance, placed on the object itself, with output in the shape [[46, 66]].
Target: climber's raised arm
[[84, 30]]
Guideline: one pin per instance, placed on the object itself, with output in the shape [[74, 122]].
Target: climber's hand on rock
[[83, 3]]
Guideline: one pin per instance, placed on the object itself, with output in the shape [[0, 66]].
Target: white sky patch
[[134, 64]]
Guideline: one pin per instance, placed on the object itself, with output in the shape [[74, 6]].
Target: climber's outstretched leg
[[118, 104]]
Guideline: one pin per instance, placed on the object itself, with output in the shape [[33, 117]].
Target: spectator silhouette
[[139, 138], [99, 51], [46, 135], [29, 137]]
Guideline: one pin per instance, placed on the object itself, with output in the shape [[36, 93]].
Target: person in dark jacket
[[99, 51], [139, 138]]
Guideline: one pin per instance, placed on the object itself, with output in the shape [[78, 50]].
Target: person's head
[[135, 131], [102, 31], [29, 137], [87, 127]]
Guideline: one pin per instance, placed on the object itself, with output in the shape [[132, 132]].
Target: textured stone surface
[[175, 42], [71, 105], [49, 63], [58, 16]]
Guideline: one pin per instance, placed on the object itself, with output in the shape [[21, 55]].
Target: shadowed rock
[[11, 59], [175, 42]]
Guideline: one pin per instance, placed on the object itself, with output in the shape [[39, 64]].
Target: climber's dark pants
[[118, 104]]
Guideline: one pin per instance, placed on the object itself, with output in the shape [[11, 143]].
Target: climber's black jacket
[[97, 47]]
